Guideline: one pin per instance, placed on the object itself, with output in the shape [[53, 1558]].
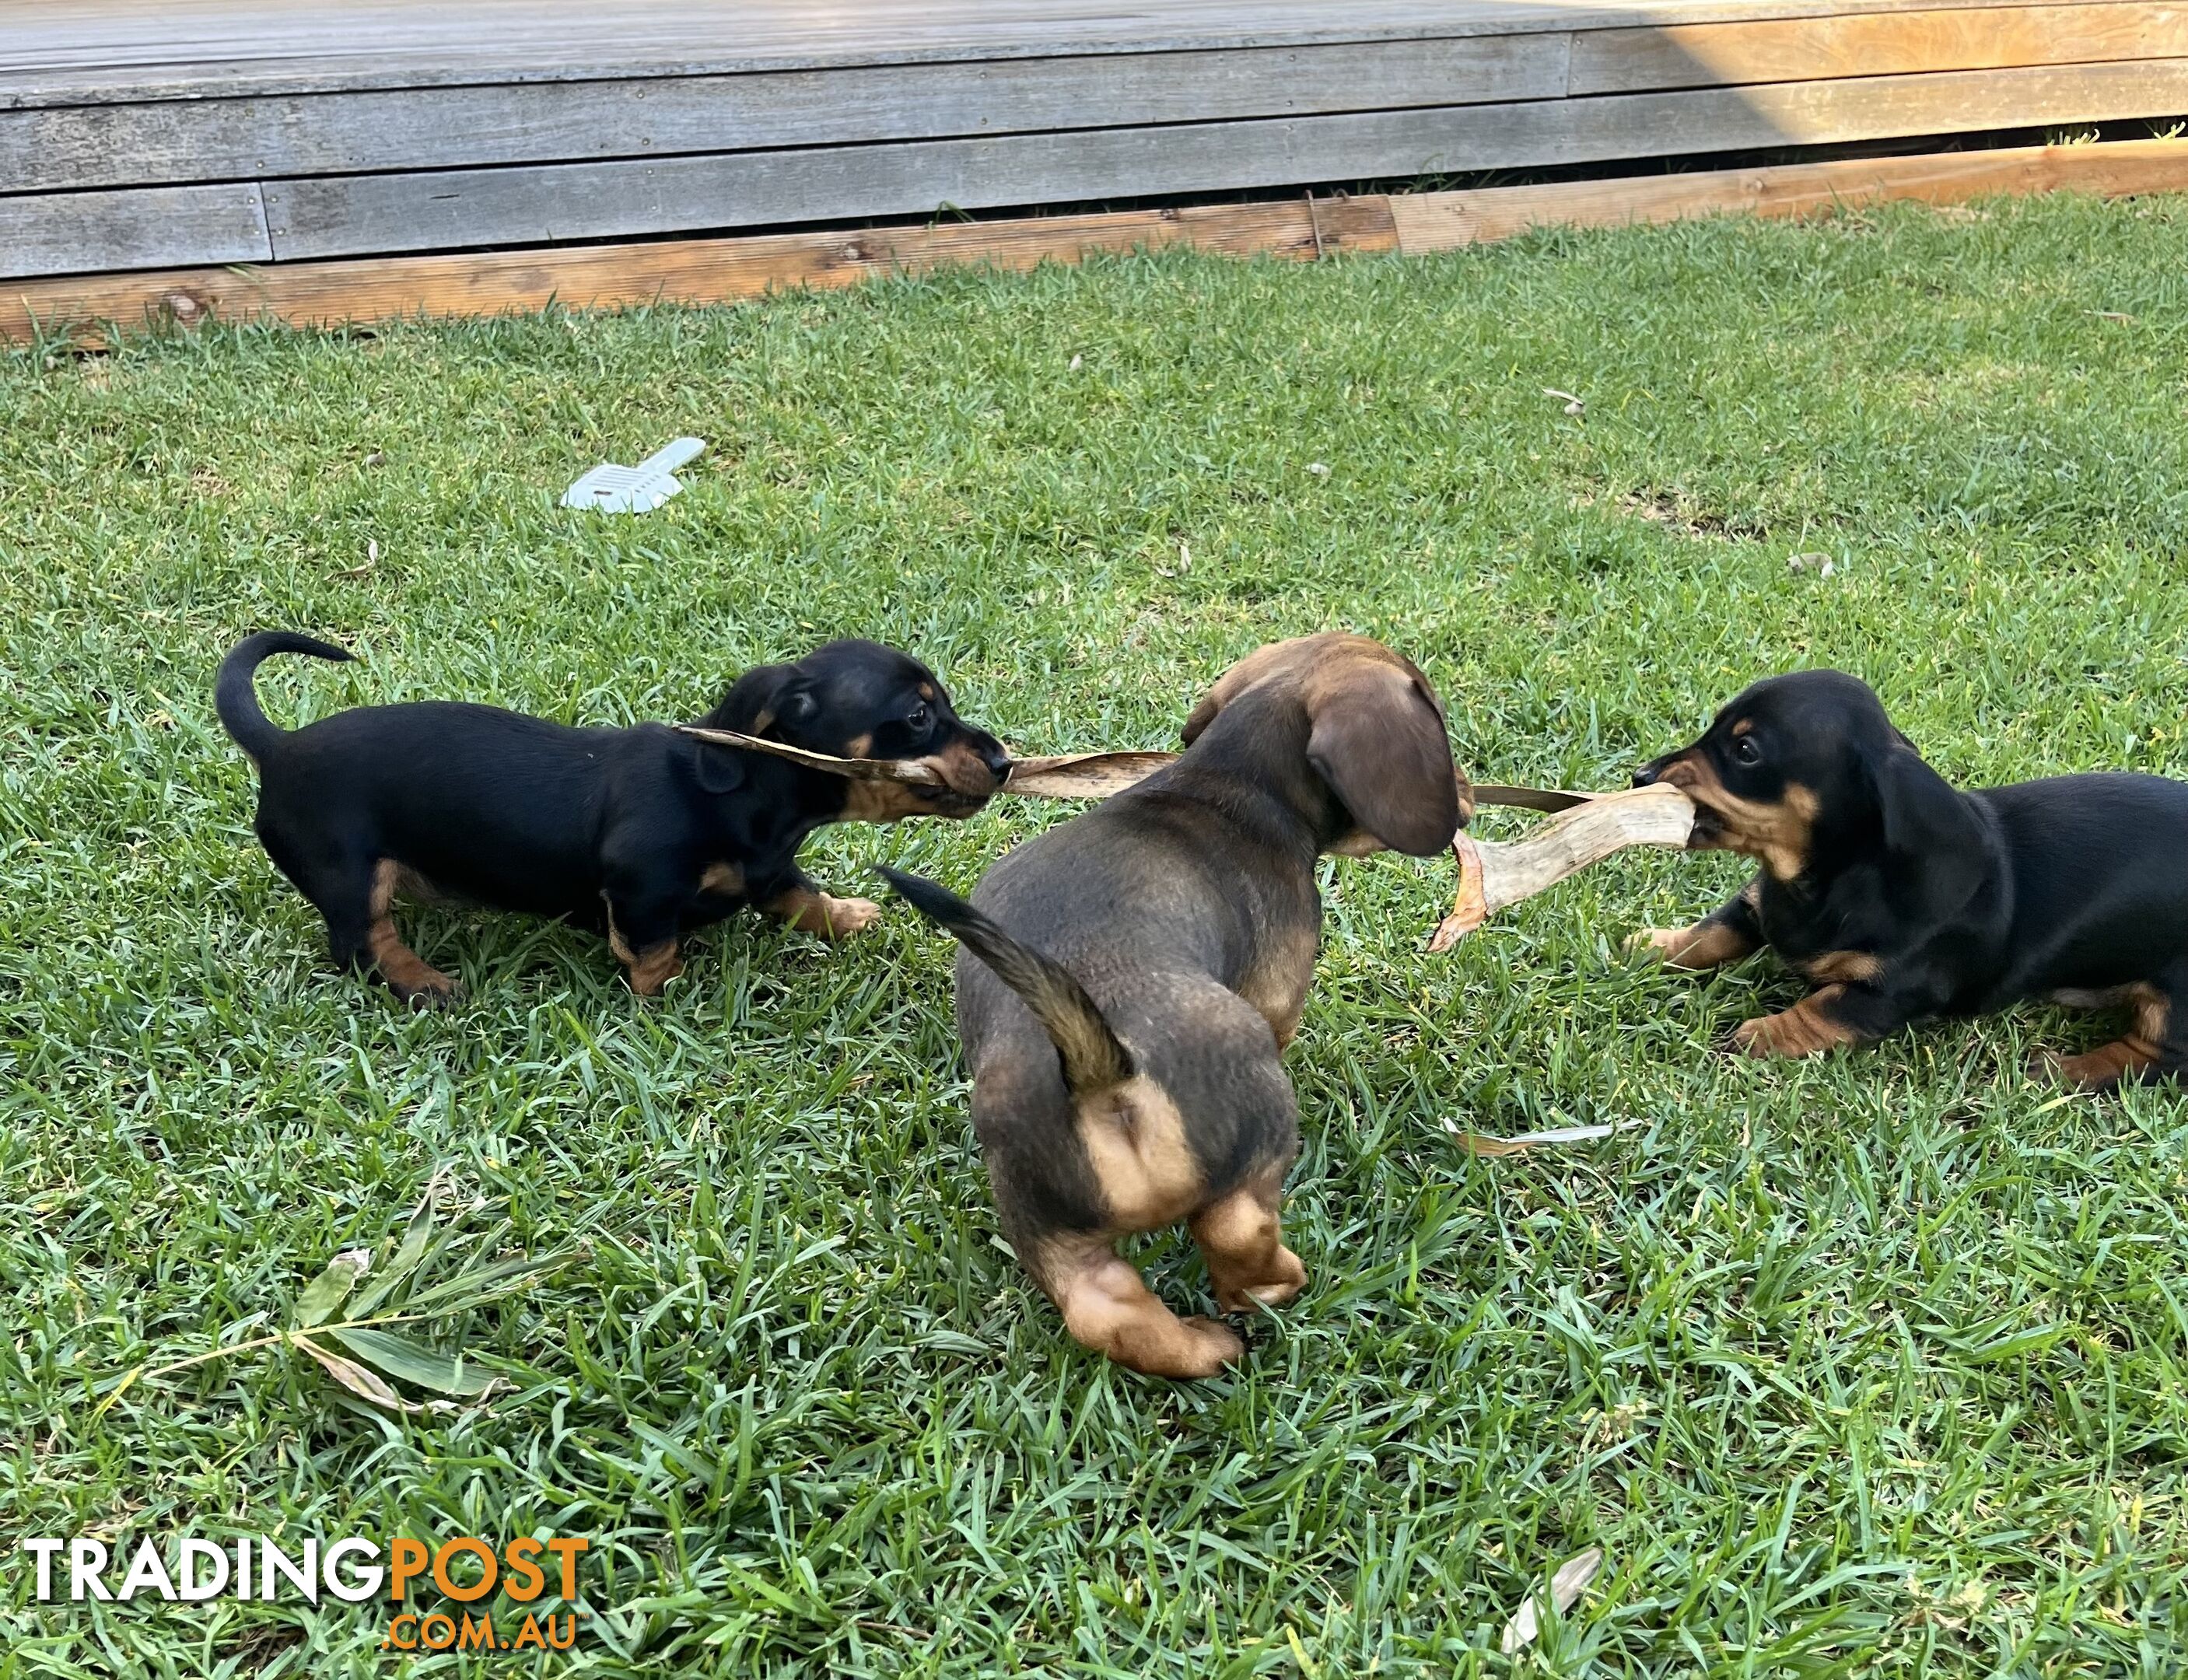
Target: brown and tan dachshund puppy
[[1129, 977], [1900, 897]]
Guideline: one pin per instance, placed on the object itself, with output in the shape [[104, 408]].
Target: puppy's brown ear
[[1201, 716], [1378, 741]]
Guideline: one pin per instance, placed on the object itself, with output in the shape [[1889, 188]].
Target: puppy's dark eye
[[1745, 751], [919, 717]]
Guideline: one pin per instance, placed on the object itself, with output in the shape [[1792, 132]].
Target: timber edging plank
[[1433, 222], [358, 215], [157, 50], [329, 217], [723, 270], [391, 131]]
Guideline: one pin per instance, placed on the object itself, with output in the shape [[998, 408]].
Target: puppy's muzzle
[[973, 771], [1678, 769]]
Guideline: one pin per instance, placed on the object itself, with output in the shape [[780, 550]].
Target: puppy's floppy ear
[[1201, 716], [716, 769], [765, 696], [1378, 741], [1920, 813]]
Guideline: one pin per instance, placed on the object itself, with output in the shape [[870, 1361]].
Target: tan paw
[[840, 918], [1288, 1279], [438, 992], [1802, 1030], [1210, 1344]]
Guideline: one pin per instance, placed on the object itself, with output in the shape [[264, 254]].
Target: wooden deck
[[141, 134]]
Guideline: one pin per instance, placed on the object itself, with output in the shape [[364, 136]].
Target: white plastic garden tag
[[635, 489]]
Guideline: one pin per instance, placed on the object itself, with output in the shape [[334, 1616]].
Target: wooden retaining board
[[723, 270], [86, 51], [106, 144], [1045, 105], [352, 215]]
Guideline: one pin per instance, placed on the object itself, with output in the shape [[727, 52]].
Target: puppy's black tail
[[1094, 1058], [237, 702]]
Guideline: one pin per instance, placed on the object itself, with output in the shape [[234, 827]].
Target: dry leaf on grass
[[365, 1384], [1567, 1586]]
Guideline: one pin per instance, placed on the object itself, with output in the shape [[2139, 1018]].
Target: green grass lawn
[[1875, 1365]]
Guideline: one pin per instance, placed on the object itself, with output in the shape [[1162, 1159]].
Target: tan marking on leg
[[654, 967], [1277, 982], [831, 918], [1134, 1141], [2139, 1048], [1841, 967], [1802, 1030], [648, 970], [2086, 997], [1707, 944], [410, 975], [1241, 1237], [1107, 1306], [725, 878]]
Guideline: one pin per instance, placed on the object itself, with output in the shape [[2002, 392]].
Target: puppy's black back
[[2098, 865], [485, 804]]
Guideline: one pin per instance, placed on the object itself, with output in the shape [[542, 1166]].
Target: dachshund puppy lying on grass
[[1901, 898], [643, 833], [1129, 977]]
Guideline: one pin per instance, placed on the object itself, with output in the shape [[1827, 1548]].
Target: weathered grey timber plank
[[444, 209], [438, 127], [90, 51], [1814, 50], [140, 228]]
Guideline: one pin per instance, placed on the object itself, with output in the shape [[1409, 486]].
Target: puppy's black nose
[[997, 761], [1645, 776]]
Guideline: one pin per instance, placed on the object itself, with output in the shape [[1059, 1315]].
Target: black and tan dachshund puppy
[[643, 833], [1902, 899], [1134, 973]]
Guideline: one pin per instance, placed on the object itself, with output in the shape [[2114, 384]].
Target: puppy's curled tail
[[237, 702], [1094, 1058]]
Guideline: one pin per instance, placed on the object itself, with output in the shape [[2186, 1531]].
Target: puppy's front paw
[[1659, 942], [426, 988], [1287, 1277], [834, 918], [831, 918], [1209, 1345], [1802, 1030]]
